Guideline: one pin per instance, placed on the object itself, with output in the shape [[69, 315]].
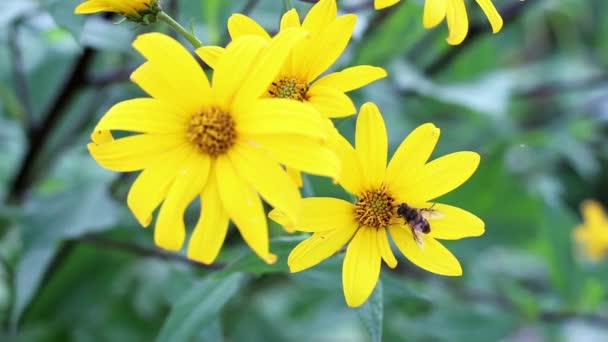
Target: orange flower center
[[212, 131], [289, 88], [375, 208]]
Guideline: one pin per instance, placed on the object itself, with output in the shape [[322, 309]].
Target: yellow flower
[[592, 235], [221, 142], [455, 11], [382, 193], [300, 78], [132, 9]]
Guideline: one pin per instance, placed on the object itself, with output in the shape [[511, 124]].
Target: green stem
[[196, 43]]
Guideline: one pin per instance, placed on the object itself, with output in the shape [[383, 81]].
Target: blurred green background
[[532, 100]]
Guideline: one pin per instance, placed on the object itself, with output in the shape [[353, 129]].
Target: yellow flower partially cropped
[[396, 199], [221, 142], [300, 78], [132, 9], [455, 11], [592, 234]]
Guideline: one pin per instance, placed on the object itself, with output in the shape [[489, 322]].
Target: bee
[[417, 220]]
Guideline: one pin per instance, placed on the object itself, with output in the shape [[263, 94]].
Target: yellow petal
[[210, 55], [320, 15], [318, 247], [384, 246], [144, 115], [295, 174], [380, 4], [454, 223], [432, 256], [233, 66], [244, 207], [268, 64], [493, 16], [267, 177], [123, 7], [361, 268], [241, 25], [300, 153], [411, 155], [152, 184], [282, 116], [93, 6], [441, 176], [135, 152], [434, 12], [458, 22], [101, 137], [318, 214], [330, 102], [351, 177], [371, 145], [290, 19], [593, 213], [325, 48], [176, 69], [351, 78], [169, 232], [210, 231]]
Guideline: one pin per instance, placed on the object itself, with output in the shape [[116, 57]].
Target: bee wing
[[418, 238], [429, 213]]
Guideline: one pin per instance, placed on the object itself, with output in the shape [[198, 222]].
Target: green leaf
[[45, 223], [12, 10], [251, 263], [63, 13], [198, 309], [371, 313], [556, 229], [104, 35]]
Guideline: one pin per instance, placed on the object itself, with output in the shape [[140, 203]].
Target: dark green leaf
[[250, 262], [371, 313], [49, 220], [198, 309]]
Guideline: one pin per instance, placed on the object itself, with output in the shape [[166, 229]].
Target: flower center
[[375, 208], [288, 88], [212, 131]]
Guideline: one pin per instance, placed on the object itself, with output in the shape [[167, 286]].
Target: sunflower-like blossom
[[592, 234], [395, 200], [435, 11], [221, 142], [301, 77]]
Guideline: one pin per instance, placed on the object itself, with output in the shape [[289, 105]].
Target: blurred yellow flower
[[455, 11], [133, 9], [592, 234], [394, 199], [222, 142], [300, 77]]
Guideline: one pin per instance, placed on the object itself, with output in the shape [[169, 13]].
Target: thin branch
[[249, 6], [115, 76], [41, 132], [19, 75], [561, 87], [102, 242]]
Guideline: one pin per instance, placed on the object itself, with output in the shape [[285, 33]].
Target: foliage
[[532, 100]]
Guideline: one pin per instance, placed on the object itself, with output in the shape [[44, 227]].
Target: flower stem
[[196, 43]]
